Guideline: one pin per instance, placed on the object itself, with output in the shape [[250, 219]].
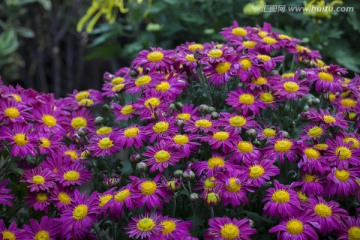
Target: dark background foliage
[[40, 47]]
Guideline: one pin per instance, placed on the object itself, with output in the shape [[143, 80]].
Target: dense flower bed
[[253, 138]]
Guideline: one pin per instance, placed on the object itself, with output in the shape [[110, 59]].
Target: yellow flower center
[[104, 130], [287, 75], [105, 143], [246, 98], [249, 44], [245, 63], [143, 80], [221, 136], [354, 233], [190, 58], [309, 177], [71, 175], [326, 77], [12, 112], [215, 53], [41, 197], [73, 154], [148, 187], [122, 195], [86, 102], [329, 119], [323, 210], [237, 121], [269, 132], [259, 81], [118, 87], [20, 139], [163, 86], [126, 110], [49, 120], [294, 227], [315, 131], [312, 153], [131, 132], [162, 156], [80, 212], [283, 36], [215, 162], [195, 46], [78, 122], [245, 146], [222, 68], [302, 49], [155, 56], [117, 81], [145, 224], [348, 102], [343, 153], [267, 97], [204, 123], [342, 175], [44, 142], [302, 196], [152, 102], [181, 139], [352, 115], [355, 142], [17, 97], [105, 199], [8, 235], [256, 171], [64, 198], [38, 179], [265, 58], [168, 225], [82, 95], [230, 231], [280, 196], [321, 146], [239, 31], [209, 183], [212, 198], [184, 116], [263, 34], [283, 145], [42, 235], [233, 186], [161, 127], [291, 86], [269, 40]]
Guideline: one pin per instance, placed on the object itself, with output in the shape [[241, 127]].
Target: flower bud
[[141, 166], [173, 185], [257, 143], [285, 133], [172, 106], [186, 175], [306, 107], [99, 120], [274, 72], [133, 73], [179, 105], [212, 198], [214, 115], [204, 108], [211, 109], [251, 132], [302, 74], [179, 122], [252, 224], [178, 173], [135, 157], [194, 196], [82, 132]]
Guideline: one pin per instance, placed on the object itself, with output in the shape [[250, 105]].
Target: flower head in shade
[[281, 148], [174, 228], [247, 69], [214, 163], [185, 143], [328, 119], [170, 87], [131, 136], [244, 151], [157, 59], [341, 154], [162, 128], [73, 175], [144, 226], [219, 73], [80, 119], [312, 184], [161, 156], [281, 201], [325, 80], [342, 183], [5, 194], [39, 179], [14, 112], [49, 118], [312, 160], [11, 232], [327, 214], [125, 112], [20, 138], [144, 81], [55, 162], [106, 200], [296, 228], [104, 145], [186, 61], [86, 98], [235, 32], [124, 197], [219, 139], [350, 229], [205, 185], [199, 123], [61, 197], [151, 105], [149, 192], [267, 62], [245, 101], [313, 131], [188, 112], [49, 143], [226, 228], [48, 228], [234, 122], [71, 151], [78, 218], [291, 88], [260, 171], [39, 200]]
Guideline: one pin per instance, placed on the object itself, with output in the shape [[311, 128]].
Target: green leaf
[[25, 32], [46, 4]]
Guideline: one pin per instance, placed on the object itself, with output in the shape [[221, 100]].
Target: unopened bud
[[211, 109], [257, 143], [173, 185], [302, 74], [82, 132], [306, 107], [135, 157], [134, 73], [179, 122], [99, 120], [204, 108], [186, 175], [285, 134], [179, 105], [194, 196], [251, 132], [172, 106], [178, 173], [212, 198], [214, 115], [252, 224], [141, 166], [274, 72]]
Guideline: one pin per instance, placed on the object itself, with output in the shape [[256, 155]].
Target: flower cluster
[[272, 148]]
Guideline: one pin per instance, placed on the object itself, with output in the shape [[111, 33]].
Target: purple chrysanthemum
[[226, 228], [144, 226], [39, 179], [48, 228], [5, 194]]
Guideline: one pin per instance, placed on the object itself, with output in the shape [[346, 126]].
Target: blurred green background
[[43, 45]]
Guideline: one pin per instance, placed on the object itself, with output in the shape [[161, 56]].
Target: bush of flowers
[[253, 138]]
